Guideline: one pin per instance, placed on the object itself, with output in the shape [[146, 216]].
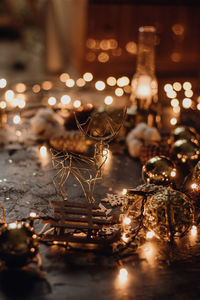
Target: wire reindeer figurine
[[86, 170]]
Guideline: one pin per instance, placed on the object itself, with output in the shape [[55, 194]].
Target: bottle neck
[[146, 52]]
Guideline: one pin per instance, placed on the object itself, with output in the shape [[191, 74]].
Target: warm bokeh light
[[187, 85], [9, 95], [113, 44], [127, 221], [150, 234], [70, 82], [119, 92], [123, 81], [21, 103], [108, 100], [88, 76], [80, 82], [176, 110], [43, 151], [3, 83], [187, 103], [194, 231], [174, 102], [65, 99], [111, 81], [20, 87], [16, 119], [173, 173], [178, 29], [36, 88], [32, 214], [176, 57], [193, 185], [52, 101], [198, 106], [177, 86], [188, 93], [100, 85], [3, 104], [103, 57], [123, 275], [168, 87], [63, 77], [124, 237], [173, 121], [77, 103], [171, 94], [47, 85], [131, 47], [127, 89], [90, 43], [90, 56], [124, 191]]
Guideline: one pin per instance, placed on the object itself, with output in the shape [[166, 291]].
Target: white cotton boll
[[151, 135], [134, 147], [46, 124], [137, 132]]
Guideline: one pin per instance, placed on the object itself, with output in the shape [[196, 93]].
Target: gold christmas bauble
[[159, 170], [18, 244], [185, 133], [184, 150]]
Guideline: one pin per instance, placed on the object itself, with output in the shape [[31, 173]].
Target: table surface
[[156, 270]]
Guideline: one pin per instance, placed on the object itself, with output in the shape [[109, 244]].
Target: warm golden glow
[[127, 89], [3, 104], [36, 88], [21, 103], [70, 82], [124, 191], [113, 44], [194, 231], [16, 119], [198, 106], [123, 81], [9, 95], [90, 43], [173, 173], [80, 82], [77, 103], [173, 121], [188, 93], [105, 44], [43, 151], [168, 87], [194, 186], [124, 238], [100, 85], [111, 81], [176, 57], [90, 56], [171, 94], [177, 86], [174, 102], [32, 215], [176, 110], [47, 85], [108, 100], [88, 76], [131, 47], [178, 29], [52, 101], [187, 85], [187, 103], [20, 87], [150, 234], [127, 221], [103, 57], [64, 76], [123, 275], [119, 92], [3, 83], [65, 99]]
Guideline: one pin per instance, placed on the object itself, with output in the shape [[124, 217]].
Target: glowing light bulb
[[119, 92], [111, 81], [193, 185], [47, 85], [20, 87], [171, 94], [52, 101], [173, 121], [80, 82], [127, 221], [176, 110], [65, 99], [108, 100], [77, 103], [168, 87], [88, 76], [124, 238], [32, 215], [16, 119], [123, 274], [174, 103], [63, 77], [194, 230], [100, 85], [123, 81], [43, 151], [187, 103], [9, 95], [198, 106], [187, 86], [3, 104], [177, 86], [150, 234], [36, 88], [188, 93], [124, 191], [70, 82], [173, 173], [3, 83], [21, 103]]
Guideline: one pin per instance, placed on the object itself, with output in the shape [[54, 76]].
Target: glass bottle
[[144, 86]]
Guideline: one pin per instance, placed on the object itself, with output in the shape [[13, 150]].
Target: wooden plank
[[75, 211], [72, 204], [72, 226], [85, 220]]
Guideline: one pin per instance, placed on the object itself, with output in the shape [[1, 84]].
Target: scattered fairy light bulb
[[65, 99], [174, 102], [123, 275], [188, 93], [9, 95], [32, 215], [187, 85], [3, 104], [70, 82], [111, 81], [173, 121], [198, 106], [100, 85], [16, 119], [177, 86], [103, 57], [77, 103], [105, 152], [108, 100], [20, 87], [63, 77], [193, 186], [187, 102], [88, 76], [127, 221], [123, 81], [43, 151], [15, 102], [168, 87], [52, 101], [47, 85], [119, 92], [21, 103], [150, 234], [80, 82], [173, 173], [171, 94], [36, 88], [194, 230], [3, 83], [176, 110], [124, 191], [124, 238]]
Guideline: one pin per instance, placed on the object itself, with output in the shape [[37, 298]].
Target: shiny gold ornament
[[168, 213], [159, 170], [196, 173], [184, 151], [185, 133], [18, 244]]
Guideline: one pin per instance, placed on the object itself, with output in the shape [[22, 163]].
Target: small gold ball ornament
[[185, 133], [184, 150], [159, 170]]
